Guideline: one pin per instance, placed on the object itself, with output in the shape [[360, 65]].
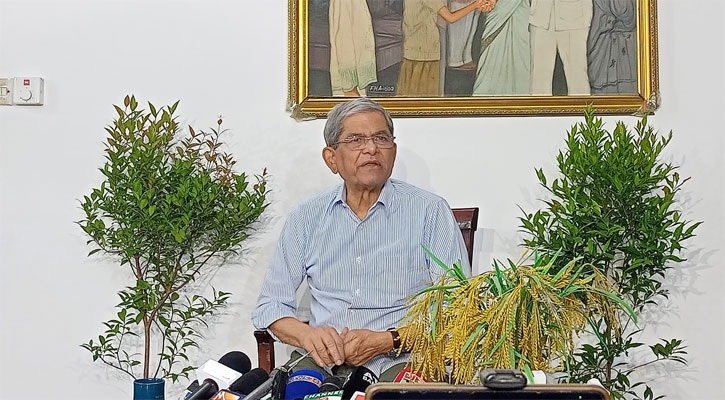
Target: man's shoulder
[[319, 202], [405, 190]]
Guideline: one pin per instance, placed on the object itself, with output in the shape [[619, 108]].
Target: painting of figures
[[477, 57]]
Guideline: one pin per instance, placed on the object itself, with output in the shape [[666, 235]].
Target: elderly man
[[360, 248]]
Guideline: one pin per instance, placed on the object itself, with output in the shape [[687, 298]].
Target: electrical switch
[[28, 91], [6, 91]]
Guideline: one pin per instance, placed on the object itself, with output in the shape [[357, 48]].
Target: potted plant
[[523, 316], [168, 210], [613, 205], [612, 211]]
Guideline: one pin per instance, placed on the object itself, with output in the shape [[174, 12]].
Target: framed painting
[[424, 58]]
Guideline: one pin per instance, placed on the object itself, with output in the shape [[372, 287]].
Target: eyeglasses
[[358, 142]]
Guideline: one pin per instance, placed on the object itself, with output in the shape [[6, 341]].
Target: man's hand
[[486, 5], [324, 343], [362, 344]]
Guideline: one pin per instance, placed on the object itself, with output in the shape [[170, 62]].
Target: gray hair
[[337, 115]]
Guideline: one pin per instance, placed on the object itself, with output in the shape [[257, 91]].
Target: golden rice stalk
[[519, 317]]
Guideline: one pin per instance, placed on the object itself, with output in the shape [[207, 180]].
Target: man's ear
[[328, 154]]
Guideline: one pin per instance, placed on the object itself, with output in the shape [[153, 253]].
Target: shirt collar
[[385, 198]]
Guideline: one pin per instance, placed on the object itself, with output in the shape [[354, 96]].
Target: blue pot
[[148, 389]]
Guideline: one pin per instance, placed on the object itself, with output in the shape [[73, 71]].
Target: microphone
[[332, 384], [358, 381], [266, 386], [407, 375], [242, 386], [213, 374], [301, 383], [249, 381], [193, 387], [237, 361], [227, 395], [275, 382], [331, 389]]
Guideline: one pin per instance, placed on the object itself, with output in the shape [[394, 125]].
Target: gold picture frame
[[306, 100]]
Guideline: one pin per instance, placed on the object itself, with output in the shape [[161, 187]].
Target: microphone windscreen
[[331, 384], [359, 380], [301, 383], [331, 389], [249, 381], [237, 361]]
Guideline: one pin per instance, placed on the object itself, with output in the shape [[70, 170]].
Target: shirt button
[[357, 291], [359, 260]]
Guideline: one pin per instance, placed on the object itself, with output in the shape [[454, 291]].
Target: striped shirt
[[360, 272]]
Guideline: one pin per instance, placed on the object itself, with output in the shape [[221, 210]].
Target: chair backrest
[[467, 219]]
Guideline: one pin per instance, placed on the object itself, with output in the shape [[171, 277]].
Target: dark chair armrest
[[265, 349]]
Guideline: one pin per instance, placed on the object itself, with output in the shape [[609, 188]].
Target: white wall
[[229, 58]]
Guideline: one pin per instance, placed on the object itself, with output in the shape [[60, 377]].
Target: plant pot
[[148, 389]]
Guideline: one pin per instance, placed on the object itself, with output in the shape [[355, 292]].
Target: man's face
[[367, 168]]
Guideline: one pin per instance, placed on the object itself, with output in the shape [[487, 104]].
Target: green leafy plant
[[169, 209], [523, 316], [613, 206]]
